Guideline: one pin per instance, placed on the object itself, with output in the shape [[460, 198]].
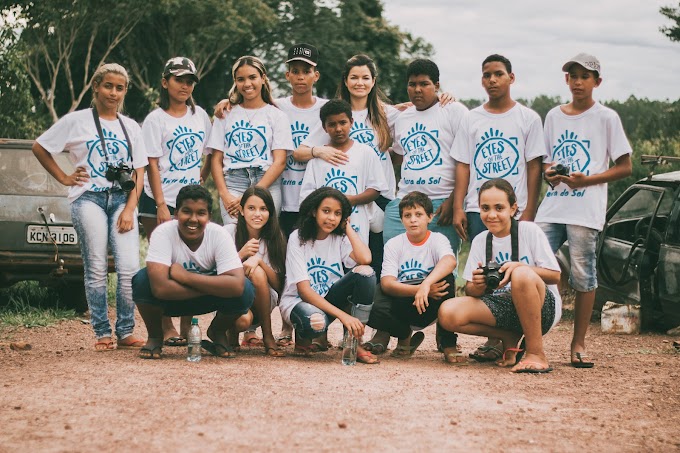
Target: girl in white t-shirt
[[531, 306], [262, 249], [104, 147], [175, 135], [250, 143], [317, 288]]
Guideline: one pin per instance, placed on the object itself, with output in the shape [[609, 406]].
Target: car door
[[628, 252], [668, 271]]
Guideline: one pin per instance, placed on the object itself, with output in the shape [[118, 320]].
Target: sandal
[[404, 352], [367, 358], [375, 348], [284, 340], [218, 349], [274, 352], [318, 347], [131, 342], [176, 341], [580, 363], [252, 342], [150, 353], [518, 357], [303, 351], [103, 345], [487, 354], [454, 355]]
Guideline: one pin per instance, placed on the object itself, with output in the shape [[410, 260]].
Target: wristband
[[313, 152]]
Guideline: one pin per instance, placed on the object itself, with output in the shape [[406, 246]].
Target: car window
[[22, 174], [639, 207]]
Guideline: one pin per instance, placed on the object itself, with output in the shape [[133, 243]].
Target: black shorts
[[147, 207], [503, 310]]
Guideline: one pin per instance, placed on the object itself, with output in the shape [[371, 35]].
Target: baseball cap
[[590, 62], [180, 66], [303, 52]]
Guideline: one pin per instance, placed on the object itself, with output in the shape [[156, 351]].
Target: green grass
[[29, 305]]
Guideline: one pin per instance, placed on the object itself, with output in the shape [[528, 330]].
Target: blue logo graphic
[[300, 133], [364, 134], [412, 269], [504, 257], [184, 153], [322, 275], [496, 156], [250, 142], [421, 148], [116, 149], [338, 179], [572, 152]]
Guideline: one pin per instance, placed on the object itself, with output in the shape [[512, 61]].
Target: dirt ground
[[63, 396]]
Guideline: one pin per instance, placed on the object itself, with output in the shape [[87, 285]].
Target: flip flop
[[274, 352], [152, 354], [367, 358], [176, 341], [402, 352], [580, 362], [213, 348], [109, 345], [284, 340], [533, 370], [318, 347], [454, 356], [479, 357], [375, 348], [252, 342], [135, 344], [520, 354]]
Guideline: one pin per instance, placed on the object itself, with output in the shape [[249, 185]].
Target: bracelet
[[313, 152]]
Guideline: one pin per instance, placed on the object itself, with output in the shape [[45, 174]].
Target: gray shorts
[[503, 310]]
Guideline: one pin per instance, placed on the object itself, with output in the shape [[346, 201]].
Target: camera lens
[[125, 181]]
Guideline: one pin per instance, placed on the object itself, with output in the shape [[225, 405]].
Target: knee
[[258, 277], [450, 316], [243, 322], [522, 276], [317, 322], [364, 270]]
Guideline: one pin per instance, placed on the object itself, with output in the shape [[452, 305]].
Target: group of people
[[316, 221]]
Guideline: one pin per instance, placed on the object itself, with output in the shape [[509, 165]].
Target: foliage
[[29, 305], [672, 31]]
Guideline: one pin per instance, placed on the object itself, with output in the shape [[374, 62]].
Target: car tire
[[72, 295]]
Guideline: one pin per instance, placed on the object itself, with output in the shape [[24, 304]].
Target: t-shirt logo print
[[496, 156], [346, 184], [572, 152], [250, 142], [365, 135], [184, 148], [322, 275], [116, 149], [411, 270], [421, 148], [300, 132], [503, 257]]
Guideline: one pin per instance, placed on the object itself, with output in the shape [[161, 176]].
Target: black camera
[[561, 170], [492, 274], [121, 173]]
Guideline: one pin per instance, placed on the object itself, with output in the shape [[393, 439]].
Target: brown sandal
[[274, 352], [102, 345]]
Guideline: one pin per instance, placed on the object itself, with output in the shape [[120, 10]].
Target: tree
[[673, 31]]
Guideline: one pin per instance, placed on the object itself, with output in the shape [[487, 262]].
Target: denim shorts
[[582, 251], [239, 179], [147, 207]]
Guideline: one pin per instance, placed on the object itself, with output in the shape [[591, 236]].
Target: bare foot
[[510, 351], [532, 363]]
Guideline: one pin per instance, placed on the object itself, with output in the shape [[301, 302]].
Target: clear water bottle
[[349, 349], [194, 342]]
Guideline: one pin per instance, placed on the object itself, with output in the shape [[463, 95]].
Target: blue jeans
[[582, 252], [394, 227], [238, 180], [475, 224], [141, 288], [94, 217], [353, 288]]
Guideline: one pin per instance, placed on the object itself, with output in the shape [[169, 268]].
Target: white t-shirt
[[584, 143], [534, 250], [498, 145], [248, 136], [302, 121], [405, 260], [322, 263], [178, 143], [77, 133], [361, 172], [425, 138], [216, 255]]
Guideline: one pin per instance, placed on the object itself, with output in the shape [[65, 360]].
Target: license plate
[[62, 235]]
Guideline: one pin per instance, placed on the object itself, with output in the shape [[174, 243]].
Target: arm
[[361, 254], [310, 296], [365, 197], [392, 287], [206, 169], [445, 211], [477, 286], [77, 178], [549, 276], [127, 218], [273, 278], [534, 168], [459, 192], [162, 211], [165, 288], [622, 169], [274, 172], [333, 156], [230, 202], [227, 284]]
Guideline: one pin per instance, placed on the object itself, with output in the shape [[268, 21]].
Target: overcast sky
[[539, 36]]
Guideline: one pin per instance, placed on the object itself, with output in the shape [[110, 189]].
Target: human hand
[[222, 107], [331, 155], [403, 106], [249, 249], [177, 272], [507, 269], [439, 290], [478, 278], [420, 301], [353, 325], [446, 98], [445, 213], [78, 178], [575, 180], [232, 205], [162, 213], [551, 176], [126, 220], [250, 265], [460, 223]]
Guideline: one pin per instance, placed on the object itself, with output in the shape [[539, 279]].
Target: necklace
[[252, 113]]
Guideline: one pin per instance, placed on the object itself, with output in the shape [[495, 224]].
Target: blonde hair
[[101, 72], [248, 60]]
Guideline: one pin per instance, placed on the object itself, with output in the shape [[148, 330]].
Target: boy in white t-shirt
[[193, 268], [582, 136], [417, 275], [360, 179]]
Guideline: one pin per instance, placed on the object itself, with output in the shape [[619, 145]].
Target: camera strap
[[514, 242], [97, 123]]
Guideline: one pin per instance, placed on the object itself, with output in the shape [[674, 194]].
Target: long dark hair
[[307, 226], [376, 98], [271, 231], [164, 100]]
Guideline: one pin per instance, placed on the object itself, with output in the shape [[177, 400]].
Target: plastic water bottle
[[349, 349], [194, 342]]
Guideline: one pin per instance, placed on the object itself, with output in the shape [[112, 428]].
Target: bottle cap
[[194, 321]]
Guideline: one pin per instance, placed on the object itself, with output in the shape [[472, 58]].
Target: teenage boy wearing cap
[[583, 136], [175, 136], [500, 139]]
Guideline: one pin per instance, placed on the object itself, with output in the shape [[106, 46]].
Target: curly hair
[[306, 224], [271, 231]]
